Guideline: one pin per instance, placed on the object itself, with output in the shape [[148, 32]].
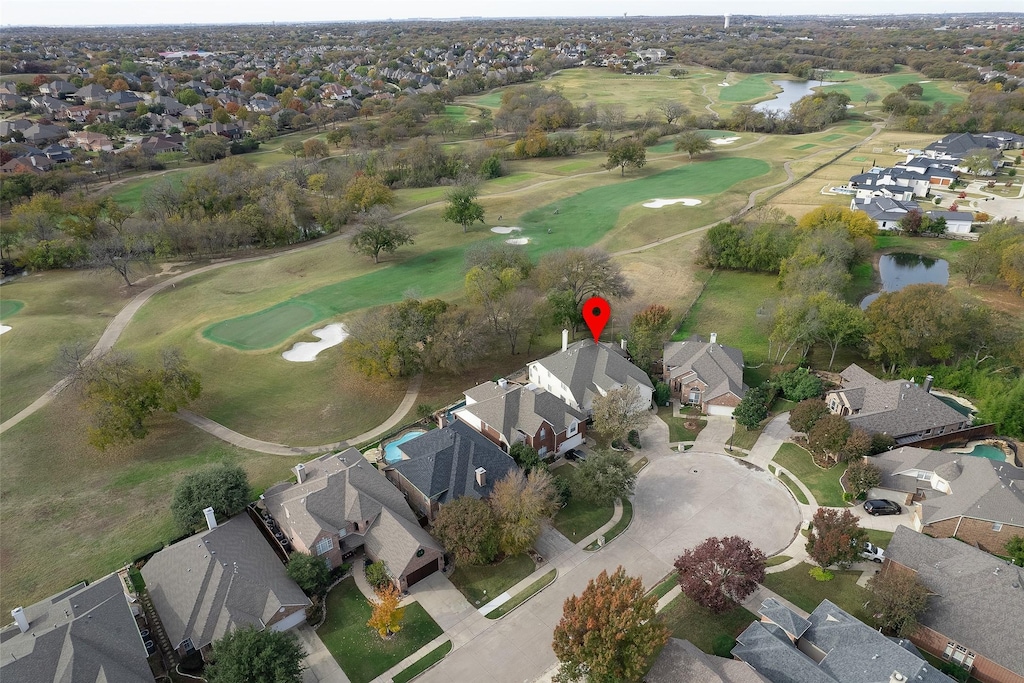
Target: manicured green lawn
[[265, 328], [523, 595], [823, 484], [677, 430], [362, 654], [806, 592], [808, 145], [744, 438], [480, 585], [578, 519], [619, 526], [688, 620], [791, 485], [423, 663], [879, 538], [777, 560], [9, 307], [752, 87]]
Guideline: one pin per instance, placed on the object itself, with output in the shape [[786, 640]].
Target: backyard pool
[[391, 452], [981, 450]]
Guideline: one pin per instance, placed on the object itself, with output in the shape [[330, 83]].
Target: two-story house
[[705, 374]]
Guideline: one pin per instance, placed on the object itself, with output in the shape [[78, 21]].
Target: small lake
[[901, 269], [791, 92]]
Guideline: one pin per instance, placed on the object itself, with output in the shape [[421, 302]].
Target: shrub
[[799, 384], [377, 575], [820, 574], [634, 439], [311, 573], [662, 394], [722, 645]]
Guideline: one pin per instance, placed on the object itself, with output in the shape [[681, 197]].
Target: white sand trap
[[5, 328], [723, 85], [658, 203], [305, 352], [506, 231], [518, 240], [924, 81], [723, 141]]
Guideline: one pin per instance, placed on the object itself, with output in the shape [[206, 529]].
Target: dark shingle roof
[[588, 368], [517, 408], [718, 366], [681, 662]]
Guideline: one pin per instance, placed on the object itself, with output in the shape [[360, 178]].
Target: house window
[[543, 432], [959, 654], [187, 645], [574, 427], [997, 526], [694, 395], [923, 475], [324, 545]]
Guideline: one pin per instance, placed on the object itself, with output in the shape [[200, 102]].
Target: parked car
[[880, 506], [870, 551], [573, 454]]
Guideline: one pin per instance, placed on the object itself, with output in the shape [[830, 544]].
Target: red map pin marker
[[596, 313]]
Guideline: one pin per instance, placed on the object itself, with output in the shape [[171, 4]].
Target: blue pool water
[[391, 452], [990, 452]]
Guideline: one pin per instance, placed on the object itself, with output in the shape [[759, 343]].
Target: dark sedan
[[880, 506]]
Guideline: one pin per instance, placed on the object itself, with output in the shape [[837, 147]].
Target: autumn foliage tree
[[720, 572], [619, 412], [522, 504], [805, 413], [468, 530], [387, 615], [647, 331], [608, 634], [897, 600], [835, 538], [828, 437], [862, 476]]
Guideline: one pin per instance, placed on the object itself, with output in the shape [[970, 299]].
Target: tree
[[912, 222], [1015, 549], [387, 616], [603, 477], [119, 252], [364, 192], [582, 273], [828, 436], [856, 223], [752, 408], [897, 600], [627, 152], [619, 412], [975, 262], [857, 446], [377, 575], [692, 143], [862, 477], [522, 504], [672, 110], [468, 531], [835, 538], [720, 572], [461, 206], [918, 323], [805, 413], [839, 323], [315, 148], [869, 97], [647, 332], [122, 394], [379, 234], [912, 91], [245, 655], [608, 634], [223, 487], [336, 137], [311, 573], [798, 384], [980, 161], [525, 456], [207, 148]]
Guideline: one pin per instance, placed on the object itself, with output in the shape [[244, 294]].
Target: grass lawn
[[753, 87], [688, 620], [823, 484], [524, 595], [362, 654], [791, 485], [423, 663], [744, 438], [666, 585], [9, 307], [879, 538], [806, 592], [578, 519], [777, 560], [619, 526], [677, 429], [480, 585]]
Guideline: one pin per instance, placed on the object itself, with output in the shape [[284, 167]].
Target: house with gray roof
[[978, 500], [512, 413], [887, 212], [587, 369], [705, 374], [86, 634], [223, 578], [340, 503], [829, 646], [903, 410], [975, 609], [446, 464], [681, 662]]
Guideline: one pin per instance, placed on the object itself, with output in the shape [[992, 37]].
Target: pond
[[902, 269], [791, 92]]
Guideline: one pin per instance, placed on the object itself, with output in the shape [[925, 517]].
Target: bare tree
[[672, 110]]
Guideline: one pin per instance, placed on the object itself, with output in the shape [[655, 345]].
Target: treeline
[[988, 107], [806, 115]]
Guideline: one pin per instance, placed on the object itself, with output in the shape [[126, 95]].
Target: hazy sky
[[101, 12]]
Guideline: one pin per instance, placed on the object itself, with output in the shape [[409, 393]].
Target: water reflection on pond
[[901, 269], [791, 92]]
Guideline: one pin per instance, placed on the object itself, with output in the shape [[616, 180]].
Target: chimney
[[481, 477], [622, 343], [714, 337], [502, 383], [897, 677], [928, 383], [565, 339], [19, 617], [300, 473], [211, 518]]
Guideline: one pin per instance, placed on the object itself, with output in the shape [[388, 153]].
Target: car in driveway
[[575, 455], [870, 551], [881, 506]]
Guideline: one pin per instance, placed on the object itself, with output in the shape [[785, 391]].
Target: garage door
[[422, 573], [719, 410], [291, 621]]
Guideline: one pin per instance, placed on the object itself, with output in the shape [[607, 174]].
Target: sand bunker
[[506, 231], [518, 240], [924, 81], [5, 328], [658, 203], [723, 141], [305, 352], [723, 85]]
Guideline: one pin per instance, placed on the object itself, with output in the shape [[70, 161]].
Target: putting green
[[750, 88], [807, 146], [9, 307], [832, 138], [581, 220]]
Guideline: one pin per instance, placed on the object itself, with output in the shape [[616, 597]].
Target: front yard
[[362, 654], [578, 519], [684, 428], [482, 584], [823, 484], [806, 592], [688, 620]]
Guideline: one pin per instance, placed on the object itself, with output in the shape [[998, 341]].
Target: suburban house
[[705, 374], [913, 178], [903, 410], [36, 164], [887, 212], [975, 611], [85, 634], [956, 146], [341, 503], [446, 464], [828, 646], [512, 413], [680, 661], [220, 579], [586, 369], [978, 500], [91, 142]]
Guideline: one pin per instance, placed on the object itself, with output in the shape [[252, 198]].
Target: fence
[[964, 435]]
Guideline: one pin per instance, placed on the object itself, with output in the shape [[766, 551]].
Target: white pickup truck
[[870, 551]]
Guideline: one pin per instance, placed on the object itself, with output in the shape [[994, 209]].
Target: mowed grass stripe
[[9, 307], [581, 221]]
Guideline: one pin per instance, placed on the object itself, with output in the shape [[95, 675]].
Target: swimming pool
[[990, 452], [391, 452]]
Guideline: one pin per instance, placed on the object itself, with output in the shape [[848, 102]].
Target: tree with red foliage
[[835, 538], [828, 437], [608, 633], [720, 572]]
